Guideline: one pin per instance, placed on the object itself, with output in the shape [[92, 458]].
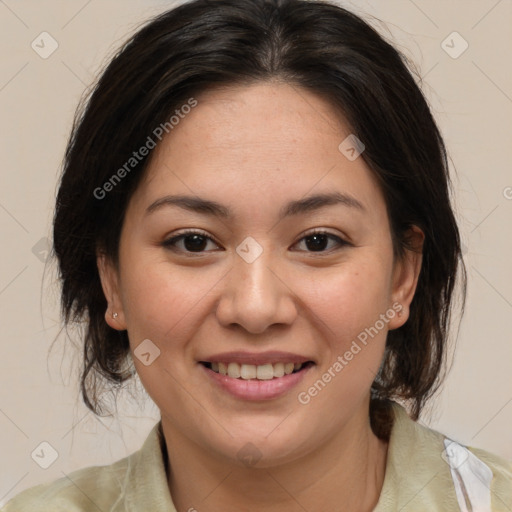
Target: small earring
[[399, 313], [114, 315]]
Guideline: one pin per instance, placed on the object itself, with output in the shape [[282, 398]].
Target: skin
[[253, 149]]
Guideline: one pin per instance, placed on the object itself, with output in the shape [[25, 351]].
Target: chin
[[263, 447]]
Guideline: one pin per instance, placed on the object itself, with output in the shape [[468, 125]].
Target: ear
[[406, 272], [114, 315]]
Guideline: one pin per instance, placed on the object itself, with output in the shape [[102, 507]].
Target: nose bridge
[[254, 279], [255, 297]]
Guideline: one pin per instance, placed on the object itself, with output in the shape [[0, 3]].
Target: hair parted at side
[[315, 45]]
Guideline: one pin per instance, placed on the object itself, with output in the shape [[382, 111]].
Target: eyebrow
[[297, 207]]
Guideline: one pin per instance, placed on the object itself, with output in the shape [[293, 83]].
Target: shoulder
[[137, 480], [88, 489], [428, 471], [501, 484]]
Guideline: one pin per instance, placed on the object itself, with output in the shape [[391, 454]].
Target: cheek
[[351, 297], [159, 299], [161, 304], [349, 302]]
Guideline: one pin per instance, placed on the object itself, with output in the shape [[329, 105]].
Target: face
[[268, 276]]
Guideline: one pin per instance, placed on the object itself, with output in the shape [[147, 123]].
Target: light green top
[[417, 479]]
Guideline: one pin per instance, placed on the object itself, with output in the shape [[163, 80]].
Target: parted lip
[[256, 358]]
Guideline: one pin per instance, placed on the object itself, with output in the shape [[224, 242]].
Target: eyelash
[[171, 242]]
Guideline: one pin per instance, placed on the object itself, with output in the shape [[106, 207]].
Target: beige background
[[472, 99]]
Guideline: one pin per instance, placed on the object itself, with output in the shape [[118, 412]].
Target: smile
[[256, 382], [260, 372]]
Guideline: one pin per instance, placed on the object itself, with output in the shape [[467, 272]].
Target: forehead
[[275, 118], [258, 144]]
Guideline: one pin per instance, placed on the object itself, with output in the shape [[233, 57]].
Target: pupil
[[319, 242], [198, 242]]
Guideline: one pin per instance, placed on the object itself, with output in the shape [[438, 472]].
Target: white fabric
[[471, 477]]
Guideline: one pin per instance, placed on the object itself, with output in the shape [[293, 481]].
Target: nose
[[255, 296]]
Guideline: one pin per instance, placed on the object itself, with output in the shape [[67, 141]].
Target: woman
[[254, 209]]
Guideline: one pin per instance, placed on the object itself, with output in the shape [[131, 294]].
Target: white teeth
[[234, 370], [250, 371], [265, 372], [247, 371], [278, 370]]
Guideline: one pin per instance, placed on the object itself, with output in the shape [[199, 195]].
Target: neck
[[348, 468]]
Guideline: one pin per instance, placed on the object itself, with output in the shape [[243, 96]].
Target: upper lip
[[254, 358]]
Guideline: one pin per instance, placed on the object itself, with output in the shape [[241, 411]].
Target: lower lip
[[254, 389]]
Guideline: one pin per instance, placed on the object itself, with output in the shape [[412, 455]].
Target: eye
[[318, 241], [193, 241]]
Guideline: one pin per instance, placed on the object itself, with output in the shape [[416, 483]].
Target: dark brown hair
[[315, 45]]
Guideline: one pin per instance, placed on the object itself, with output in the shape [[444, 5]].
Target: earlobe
[[114, 315], [405, 276], [114, 319]]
